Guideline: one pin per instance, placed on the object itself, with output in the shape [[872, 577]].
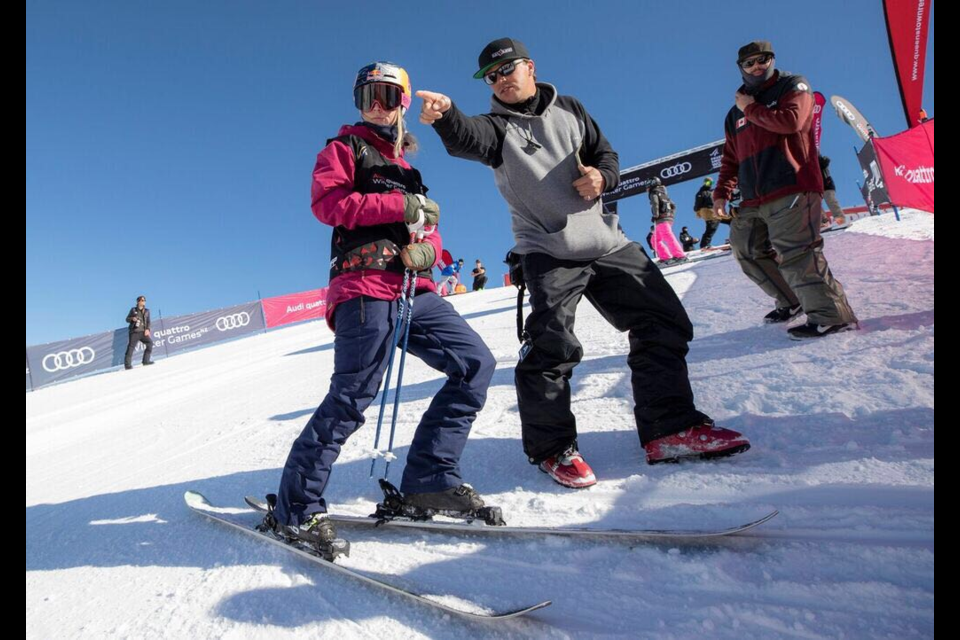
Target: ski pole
[[403, 357], [386, 383]]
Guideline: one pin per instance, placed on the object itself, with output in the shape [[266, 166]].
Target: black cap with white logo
[[498, 51]]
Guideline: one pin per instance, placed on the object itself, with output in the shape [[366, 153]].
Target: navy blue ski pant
[[364, 334]]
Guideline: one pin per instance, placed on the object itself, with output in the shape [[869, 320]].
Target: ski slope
[[843, 445]]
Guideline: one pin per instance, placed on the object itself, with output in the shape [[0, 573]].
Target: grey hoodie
[[534, 157]]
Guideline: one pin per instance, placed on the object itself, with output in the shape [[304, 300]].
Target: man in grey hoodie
[[551, 163]]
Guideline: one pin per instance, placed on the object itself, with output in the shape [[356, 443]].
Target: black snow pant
[[136, 337], [708, 233], [629, 290]]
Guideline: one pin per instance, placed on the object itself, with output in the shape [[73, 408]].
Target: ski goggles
[[750, 63], [505, 70], [388, 96]]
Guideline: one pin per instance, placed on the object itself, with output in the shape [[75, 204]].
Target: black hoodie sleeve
[[478, 138], [596, 150]]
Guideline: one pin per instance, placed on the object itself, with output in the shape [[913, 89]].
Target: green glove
[[419, 256], [419, 211]]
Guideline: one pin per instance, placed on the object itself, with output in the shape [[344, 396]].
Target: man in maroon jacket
[[771, 154]]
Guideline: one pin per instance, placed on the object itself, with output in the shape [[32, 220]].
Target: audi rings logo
[[235, 321], [842, 108], [676, 170], [63, 360]]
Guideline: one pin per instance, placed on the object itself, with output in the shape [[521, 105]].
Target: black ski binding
[[329, 551], [393, 507]]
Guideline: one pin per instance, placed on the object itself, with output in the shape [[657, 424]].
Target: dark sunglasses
[[752, 62], [505, 70]]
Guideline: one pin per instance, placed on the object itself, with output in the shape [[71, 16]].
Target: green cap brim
[[483, 72]]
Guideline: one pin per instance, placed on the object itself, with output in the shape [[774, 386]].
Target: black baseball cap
[[498, 51], [754, 48]]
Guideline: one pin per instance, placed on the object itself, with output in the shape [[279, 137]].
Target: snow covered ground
[[843, 439]]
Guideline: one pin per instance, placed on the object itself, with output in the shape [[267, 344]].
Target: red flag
[[908, 22], [906, 161]]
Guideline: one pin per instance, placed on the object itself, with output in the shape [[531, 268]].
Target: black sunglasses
[[752, 62], [505, 70]]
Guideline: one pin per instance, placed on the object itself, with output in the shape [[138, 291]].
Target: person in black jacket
[[687, 240], [139, 330], [479, 276]]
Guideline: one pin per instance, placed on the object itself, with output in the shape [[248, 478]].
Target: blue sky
[[170, 144]]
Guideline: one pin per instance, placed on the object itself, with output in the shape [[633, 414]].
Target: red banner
[[295, 307], [906, 161], [908, 22]]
